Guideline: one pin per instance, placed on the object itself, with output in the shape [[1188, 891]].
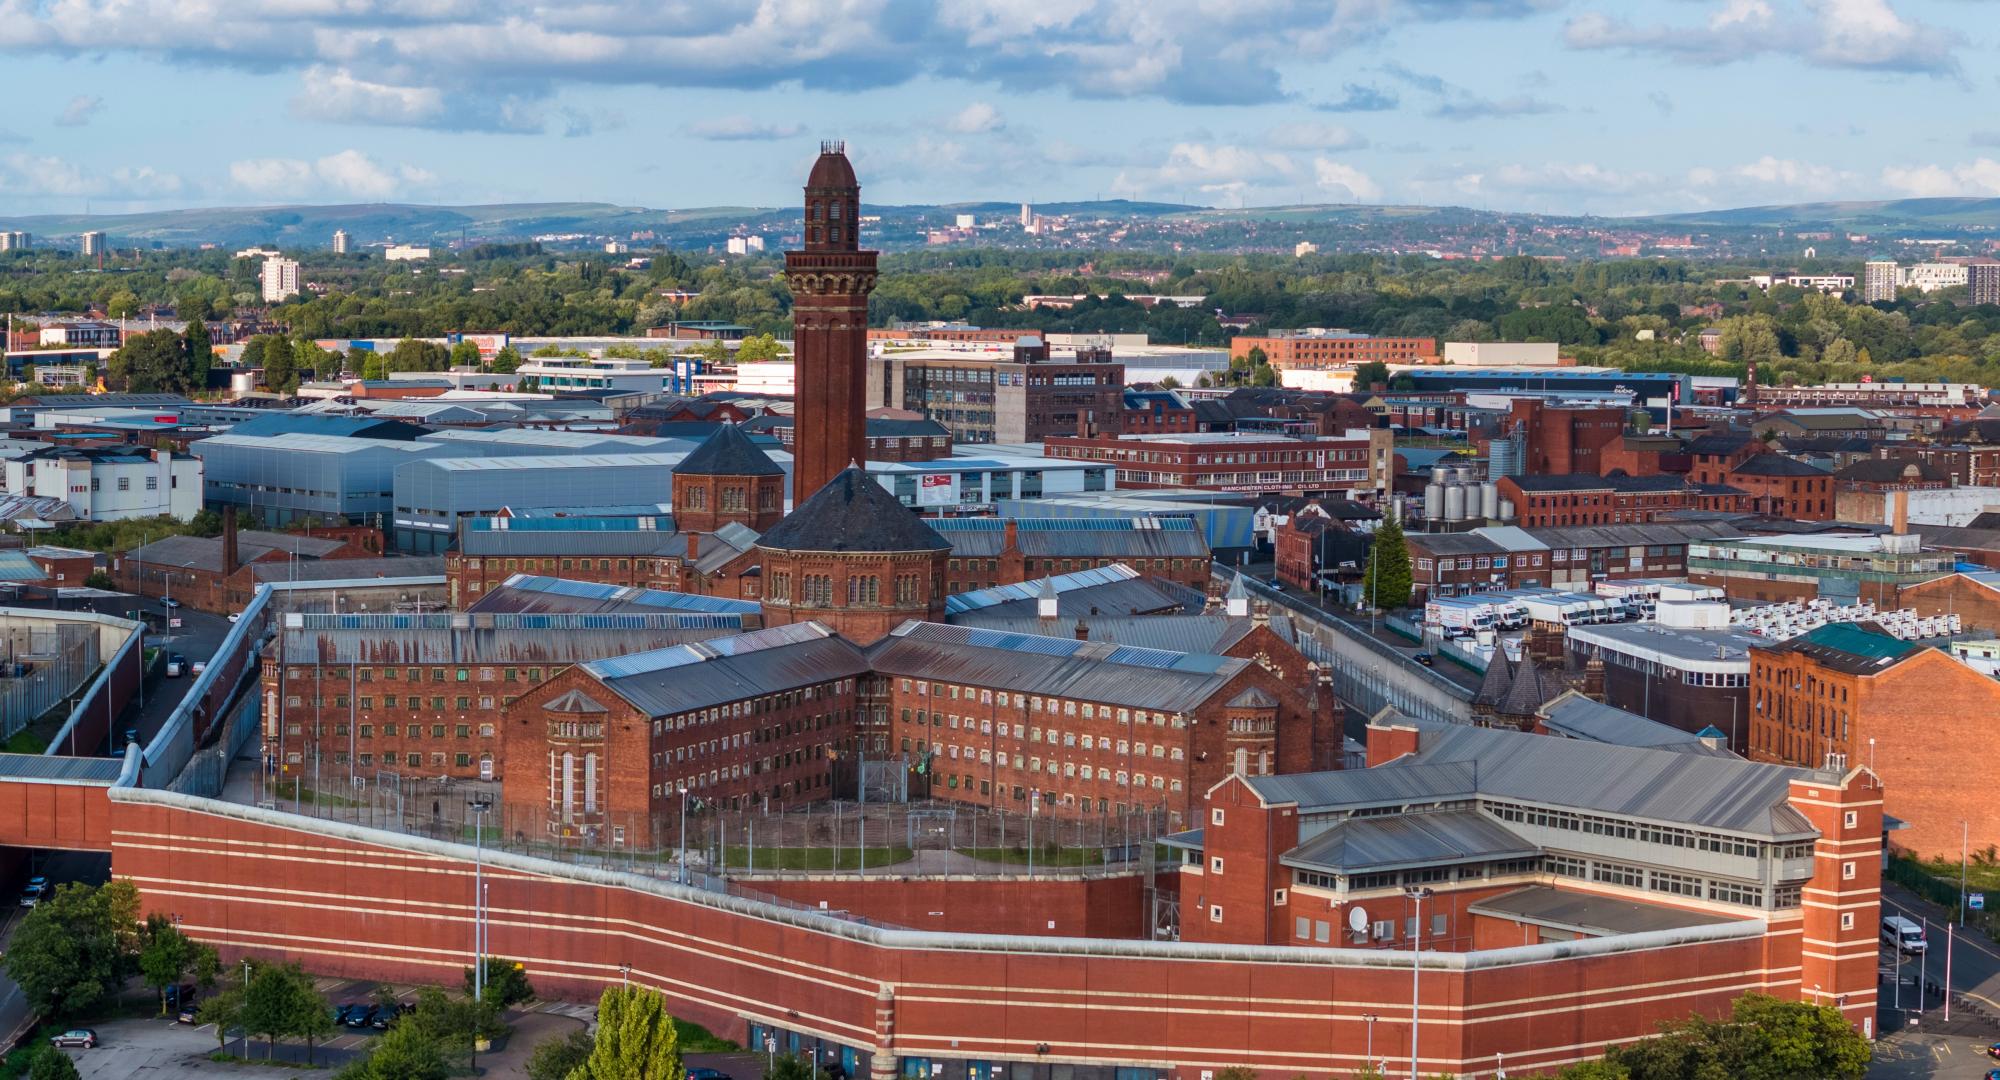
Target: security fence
[[41, 665]]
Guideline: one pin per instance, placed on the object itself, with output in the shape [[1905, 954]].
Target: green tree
[[280, 1001], [757, 348], [200, 354], [49, 1063], [123, 304], [1170, 383], [374, 368], [1595, 1070], [507, 360], [557, 1058], [506, 982], [635, 1039], [404, 1052], [165, 954], [794, 1067], [465, 354], [75, 948], [414, 354], [1236, 1072], [1748, 338], [1765, 1038], [225, 1011], [1387, 584], [281, 369], [455, 1022], [1370, 375], [150, 363]]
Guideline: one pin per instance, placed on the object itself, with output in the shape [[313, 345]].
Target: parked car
[[1993, 1051], [699, 1073], [36, 888], [176, 664], [384, 1015], [83, 1037], [359, 1015], [169, 602], [187, 1013], [235, 616]]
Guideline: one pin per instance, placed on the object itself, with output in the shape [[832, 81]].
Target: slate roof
[[534, 639], [728, 452], [1201, 633], [1575, 716], [1891, 471], [674, 680], [1776, 465], [1112, 590], [852, 513], [205, 552], [1164, 537], [1719, 444], [536, 594], [1587, 482], [1588, 913], [1056, 666], [1255, 697]]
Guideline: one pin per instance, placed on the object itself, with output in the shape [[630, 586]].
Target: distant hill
[[905, 225]]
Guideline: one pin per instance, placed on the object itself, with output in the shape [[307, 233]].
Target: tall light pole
[[1370, 1017], [1964, 855], [479, 805], [1418, 896]]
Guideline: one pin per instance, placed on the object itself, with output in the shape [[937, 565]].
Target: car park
[[83, 1037], [359, 1015], [384, 1015]]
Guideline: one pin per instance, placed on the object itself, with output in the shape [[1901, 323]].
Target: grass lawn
[[1043, 857], [695, 1039], [1980, 876], [813, 858], [25, 741], [285, 791]]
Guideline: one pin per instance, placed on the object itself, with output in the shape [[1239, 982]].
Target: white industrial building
[[406, 253], [1501, 353], [110, 483], [553, 373]]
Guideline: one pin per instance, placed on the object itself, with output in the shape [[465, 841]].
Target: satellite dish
[[1357, 919]]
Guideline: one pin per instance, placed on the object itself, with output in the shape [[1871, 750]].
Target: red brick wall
[[349, 908], [1099, 907]]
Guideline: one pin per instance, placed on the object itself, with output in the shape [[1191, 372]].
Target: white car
[[235, 615]]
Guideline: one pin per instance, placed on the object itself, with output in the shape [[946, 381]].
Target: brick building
[[65, 568], [1572, 557], [1156, 412], [603, 750], [986, 552], [1319, 350], [892, 435], [1968, 465], [211, 573], [1844, 568], [830, 282], [1311, 542], [1589, 499], [1563, 439], [1286, 410], [1359, 461], [642, 552], [1782, 487], [1508, 839], [1909, 711], [1094, 727], [430, 696], [853, 558], [727, 480], [1714, 455]]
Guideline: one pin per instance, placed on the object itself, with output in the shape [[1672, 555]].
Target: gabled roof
[[1587, 482], [1719, 444], [575, 701], [673, 680], [728, 452], [1375, 844], [852, 513], [1575, 716], [1056, 666], [1892, 471], [1255, 697], [1776, 465], [1855, 648]]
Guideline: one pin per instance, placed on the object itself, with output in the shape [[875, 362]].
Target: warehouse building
[[433, 496]]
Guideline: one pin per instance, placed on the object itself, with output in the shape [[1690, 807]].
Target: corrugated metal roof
[[1054, 666], [499, 543], [1637, 782], [1589, 913], [1381, 786], [1110, 590], [82, 770], [667, 681], [401, 566], [530, 593], [1368, 844], [1198, 633], [1577, 717], [516, 645], [1090, 537]]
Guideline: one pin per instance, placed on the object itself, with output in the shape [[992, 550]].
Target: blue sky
[[1584, 105]]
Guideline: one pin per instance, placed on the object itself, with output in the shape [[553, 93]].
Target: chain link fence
[[903, 838]]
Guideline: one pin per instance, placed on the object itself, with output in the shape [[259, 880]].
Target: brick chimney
[[229, 553], [1082, 631], [1010, 536], [694, 546], [1899, 512]]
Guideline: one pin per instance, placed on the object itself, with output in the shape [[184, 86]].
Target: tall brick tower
[[830, 281]]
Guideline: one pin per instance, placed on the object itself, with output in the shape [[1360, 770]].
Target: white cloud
[[40, 176], [379, 58], [1345, 181], [1224, 172], [976, 119], [347, 174], [1981, 177], [741, 128], [79, 111], [1855, 34], [1800, 177]]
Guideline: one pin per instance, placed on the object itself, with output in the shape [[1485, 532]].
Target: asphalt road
[[60, 867]]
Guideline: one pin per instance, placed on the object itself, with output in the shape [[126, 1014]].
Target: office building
[[1027, 395], [553, 374], [109, 483], [1358, 462], [1983, 283], [15, 240], [1317, 349], [1929, 277], [281, 279], [340, 241], [93, 243], [1879, 280], [1844, 568]]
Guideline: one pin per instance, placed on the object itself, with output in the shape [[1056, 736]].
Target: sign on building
[[937, 489]]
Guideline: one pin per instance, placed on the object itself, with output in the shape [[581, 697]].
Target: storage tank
[[1503, 457], [1466, 474], [1454, 502], [1489, 501], [242, 382], [1441, 474], [1434, 501], [1506, 510]]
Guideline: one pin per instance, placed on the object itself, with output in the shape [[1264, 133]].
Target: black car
[[358, 1015], [1424, 658], [384, 1015], [698, 1073]]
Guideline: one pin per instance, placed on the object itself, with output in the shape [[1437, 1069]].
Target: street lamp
[[1417, 896], [1370, 1017], [479, 804]]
